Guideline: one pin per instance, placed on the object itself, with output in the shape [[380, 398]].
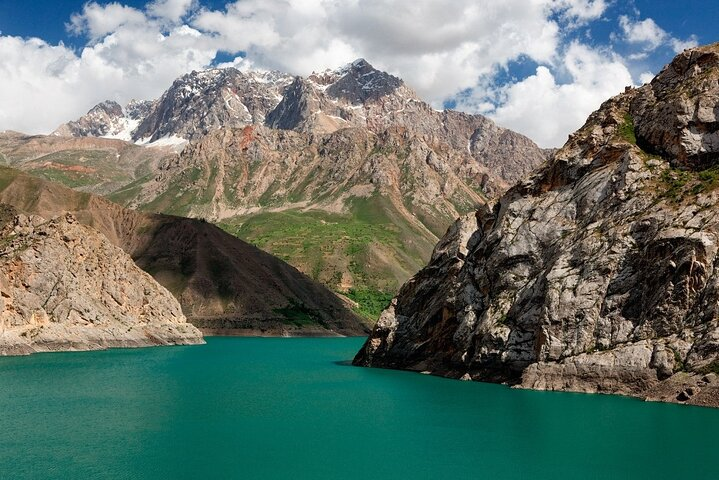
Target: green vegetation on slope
[[180, 195], [370, 302], [626, 129], [365, 254], [679, 184], [79, 168]]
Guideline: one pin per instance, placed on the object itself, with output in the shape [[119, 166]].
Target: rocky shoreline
[[600, 273]]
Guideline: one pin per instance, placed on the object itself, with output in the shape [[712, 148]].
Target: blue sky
[[537, 66]]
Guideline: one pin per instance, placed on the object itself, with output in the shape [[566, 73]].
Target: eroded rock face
[[102, 119], [679, 111], [600, 273], [64, 286]]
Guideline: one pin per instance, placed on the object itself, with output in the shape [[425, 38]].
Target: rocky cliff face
[[64, 286], [200, 102], [598, 274]]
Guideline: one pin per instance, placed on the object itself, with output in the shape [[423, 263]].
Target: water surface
[[249, 408]]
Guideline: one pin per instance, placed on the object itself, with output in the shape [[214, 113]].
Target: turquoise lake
[[271, 408]]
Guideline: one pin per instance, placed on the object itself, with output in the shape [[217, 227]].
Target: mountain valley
[[346, 174], [223, 284]]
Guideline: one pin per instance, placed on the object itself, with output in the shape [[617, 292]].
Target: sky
[[539, 67]]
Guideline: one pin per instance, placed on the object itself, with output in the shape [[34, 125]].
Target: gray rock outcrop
[[598, 274]]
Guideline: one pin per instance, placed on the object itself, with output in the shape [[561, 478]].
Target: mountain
[[194, 105], [223, 284], [346, 173], [64, 286], [200, 102], [108, 119], [600, 273]]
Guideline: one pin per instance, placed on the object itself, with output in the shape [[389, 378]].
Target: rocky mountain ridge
[[64, 286], [598, 274], [195, 104], [356, 95], [291, 163], [109, 120]]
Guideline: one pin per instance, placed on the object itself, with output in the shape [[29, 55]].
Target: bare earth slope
[[223, 284], [96, 165], [600, 273], [64, 286]]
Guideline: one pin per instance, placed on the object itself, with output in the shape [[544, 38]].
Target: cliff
[[599, 273], [64, 286]]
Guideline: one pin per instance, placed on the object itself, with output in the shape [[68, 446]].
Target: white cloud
[[99, 20], [547, 111], [172, 10], [46, 85], [583, 10], [439, 47], [651, 36], [681, 45], [646, 77], [645, 31]]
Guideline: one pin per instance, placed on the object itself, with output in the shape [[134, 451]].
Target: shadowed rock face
[[598, 274], [64, 286]]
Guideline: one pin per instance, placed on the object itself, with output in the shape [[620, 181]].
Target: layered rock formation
[[223, 284], [598, 274], [64, 286]]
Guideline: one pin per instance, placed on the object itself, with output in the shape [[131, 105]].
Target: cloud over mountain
[[449, 50]]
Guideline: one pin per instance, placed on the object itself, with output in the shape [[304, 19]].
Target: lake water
[[261, 408]]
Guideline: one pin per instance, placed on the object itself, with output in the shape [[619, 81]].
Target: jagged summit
[[106, 119], [196, 103], [356, 95], [361, 82], [201, 101]]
